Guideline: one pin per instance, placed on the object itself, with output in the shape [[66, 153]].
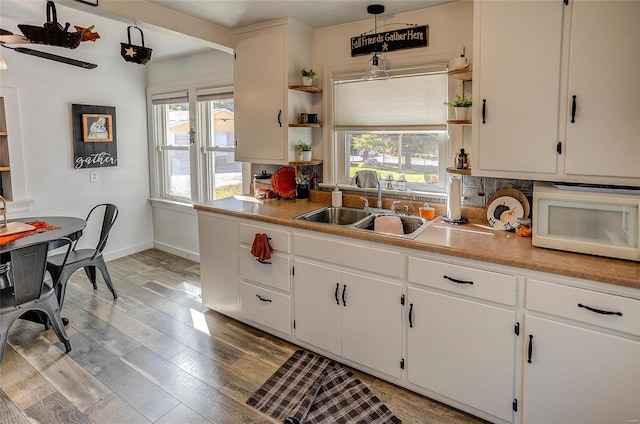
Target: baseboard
[[194, 256]]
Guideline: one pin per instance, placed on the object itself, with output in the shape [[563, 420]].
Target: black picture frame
[[91, 2], [97, 148]]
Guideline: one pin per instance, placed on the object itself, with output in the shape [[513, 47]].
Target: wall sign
[[94, 136], [407, 38]]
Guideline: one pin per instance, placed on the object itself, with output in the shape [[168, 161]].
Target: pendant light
[[376, 67]]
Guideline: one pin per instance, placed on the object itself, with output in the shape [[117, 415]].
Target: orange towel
[[40, 227], [261, 248]]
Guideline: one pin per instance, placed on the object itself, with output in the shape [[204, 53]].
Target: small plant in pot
[[304, 151], [307, 76], [461, 106]]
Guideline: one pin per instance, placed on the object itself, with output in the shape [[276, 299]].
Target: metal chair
[[89, 259], [23, 272]]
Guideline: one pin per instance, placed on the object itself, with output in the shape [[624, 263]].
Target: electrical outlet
[[94, 176]]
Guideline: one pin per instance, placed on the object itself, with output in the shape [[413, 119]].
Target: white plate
[[16, 227], [503, 212]]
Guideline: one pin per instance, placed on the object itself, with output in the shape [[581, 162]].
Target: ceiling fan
[[7, 37]]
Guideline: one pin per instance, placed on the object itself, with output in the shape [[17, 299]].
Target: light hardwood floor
[[155, 355]]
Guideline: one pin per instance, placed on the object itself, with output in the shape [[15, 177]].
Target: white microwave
[[587, 219]]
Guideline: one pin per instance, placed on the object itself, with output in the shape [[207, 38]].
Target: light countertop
[[471, 241]]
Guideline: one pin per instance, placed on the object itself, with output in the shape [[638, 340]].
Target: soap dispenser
[[336, 197]]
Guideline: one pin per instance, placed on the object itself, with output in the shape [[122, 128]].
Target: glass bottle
[[402, 182], [523, 227]]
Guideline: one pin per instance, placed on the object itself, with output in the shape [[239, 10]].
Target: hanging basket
[[133, 53], [52, 32]]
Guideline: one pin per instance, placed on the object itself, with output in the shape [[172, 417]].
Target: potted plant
[[307, 76], [461, 105], [304, 151]]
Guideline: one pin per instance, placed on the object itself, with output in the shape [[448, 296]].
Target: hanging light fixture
[[376, 68]]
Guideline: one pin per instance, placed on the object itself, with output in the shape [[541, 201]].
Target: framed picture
[[97, 127], [94, 136]]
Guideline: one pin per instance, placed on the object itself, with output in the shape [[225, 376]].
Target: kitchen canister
[[262, 186]]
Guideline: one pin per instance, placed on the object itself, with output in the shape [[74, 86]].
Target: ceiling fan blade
[[53, 57]]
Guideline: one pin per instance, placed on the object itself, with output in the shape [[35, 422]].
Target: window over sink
[[393, 126]]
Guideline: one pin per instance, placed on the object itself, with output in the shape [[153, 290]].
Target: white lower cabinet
[[580, 371], [266, 307], [351, 315], [219, 263], [461, 347]]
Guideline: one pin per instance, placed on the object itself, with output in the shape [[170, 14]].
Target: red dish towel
[[261, 248]]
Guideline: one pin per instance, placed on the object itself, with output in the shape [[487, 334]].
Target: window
[[394, 126], [195, 145]]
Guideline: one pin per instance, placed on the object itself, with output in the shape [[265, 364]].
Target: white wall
[[46, 91], [176, 226]]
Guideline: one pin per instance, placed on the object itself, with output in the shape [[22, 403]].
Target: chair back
[[27, 269], [110, 216]]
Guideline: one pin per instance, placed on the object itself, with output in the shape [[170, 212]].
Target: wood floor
[[155, 355]]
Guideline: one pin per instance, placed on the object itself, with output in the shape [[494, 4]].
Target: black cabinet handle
[[484, 110], [410, 315], [599, 311], [573, 110], [336, 294], [280, 118], [344, 289], [457, 281], [530, 349], [263, 262], [262, 299]]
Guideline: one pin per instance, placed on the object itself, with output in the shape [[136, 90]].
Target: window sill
[[173, 205]]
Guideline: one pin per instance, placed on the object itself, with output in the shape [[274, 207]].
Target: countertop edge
[[567, 269]]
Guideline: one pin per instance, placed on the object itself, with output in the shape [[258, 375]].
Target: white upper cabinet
[[516, 83], [269, 58], [531, 58], [604, 75]]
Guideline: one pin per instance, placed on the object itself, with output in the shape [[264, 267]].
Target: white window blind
[[170, 98], [401, 100]]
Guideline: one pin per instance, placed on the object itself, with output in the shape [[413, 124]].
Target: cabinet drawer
[[265, 307], [275, 274], [279, 239], [487, 285], [563, 301], [371, 259]]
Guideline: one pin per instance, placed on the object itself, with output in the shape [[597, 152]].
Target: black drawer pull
[[280, 118], [411, 315], [344, 289], [457, 281], [599, 311], [336, 294], [262, 299], [263, 262], [484, 111], [573, 110], [530, 349]]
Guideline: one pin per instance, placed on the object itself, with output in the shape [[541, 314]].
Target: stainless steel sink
[[411, 225], [359, 219], [336, 216]]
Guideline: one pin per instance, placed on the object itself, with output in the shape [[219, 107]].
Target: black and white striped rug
[[311, 389]]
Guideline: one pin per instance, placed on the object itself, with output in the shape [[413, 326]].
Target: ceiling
[[315, 13], [228, 13]]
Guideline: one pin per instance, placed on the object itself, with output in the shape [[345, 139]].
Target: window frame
[[336, 170]]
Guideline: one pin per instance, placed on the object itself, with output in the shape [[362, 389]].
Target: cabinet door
[[517, 72], [259, 86], [463, 350], [579, 376], [372, 322], [219, 272], [317, 307], [603, 75]]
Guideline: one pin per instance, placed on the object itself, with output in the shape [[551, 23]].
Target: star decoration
[[87, 33], [385, 47], [130, 52]]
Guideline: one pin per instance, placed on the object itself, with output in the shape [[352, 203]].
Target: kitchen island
[[475, 318]]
